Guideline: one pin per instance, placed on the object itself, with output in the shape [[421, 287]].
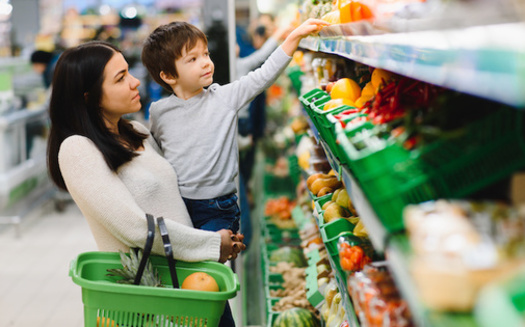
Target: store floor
[[35, 289]]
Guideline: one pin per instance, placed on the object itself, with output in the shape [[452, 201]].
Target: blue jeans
[[215, 214]]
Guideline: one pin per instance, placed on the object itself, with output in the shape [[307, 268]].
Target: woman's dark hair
[[74, 108]]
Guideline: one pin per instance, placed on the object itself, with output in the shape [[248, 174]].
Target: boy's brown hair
[[165, 45]]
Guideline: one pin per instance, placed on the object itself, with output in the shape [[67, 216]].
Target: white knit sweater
[[115, 204]]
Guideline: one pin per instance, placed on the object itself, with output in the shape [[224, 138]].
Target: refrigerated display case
[[24, 183]]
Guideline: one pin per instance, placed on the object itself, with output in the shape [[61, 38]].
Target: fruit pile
[[322, 184], [280, 208]]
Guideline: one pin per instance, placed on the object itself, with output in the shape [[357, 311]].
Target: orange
[[106, 322], [334, 103], [355, 8], [346, 88], [345, 13], [200, 281], [366, 12], [380, 76]]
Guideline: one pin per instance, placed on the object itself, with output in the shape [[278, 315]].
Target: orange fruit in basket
[[345, 88], [106, 322], [334, 103], [200, 281]]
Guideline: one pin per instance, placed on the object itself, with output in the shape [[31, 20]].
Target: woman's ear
[[167, 78]]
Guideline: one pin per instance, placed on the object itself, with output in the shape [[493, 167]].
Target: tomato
[[347, 264]]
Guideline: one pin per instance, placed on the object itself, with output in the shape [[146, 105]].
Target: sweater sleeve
[[240, 92], [254, 60], [103, 197]]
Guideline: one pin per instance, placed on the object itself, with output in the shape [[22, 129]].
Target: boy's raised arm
[[310, 26]]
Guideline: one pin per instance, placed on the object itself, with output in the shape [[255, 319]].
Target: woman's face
[[120, 95]]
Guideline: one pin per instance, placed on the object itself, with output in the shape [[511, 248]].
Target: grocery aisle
[[35, 289]]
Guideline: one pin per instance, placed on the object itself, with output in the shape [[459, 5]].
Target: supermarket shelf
[[486, 61], [351, 316], [398, 253], [376, 231]]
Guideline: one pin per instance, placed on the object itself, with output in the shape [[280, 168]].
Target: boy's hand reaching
[[310, 26]]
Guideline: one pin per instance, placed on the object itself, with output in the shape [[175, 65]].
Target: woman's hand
[[231, 245]]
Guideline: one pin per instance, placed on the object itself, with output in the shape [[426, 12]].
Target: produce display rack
[[475, 60], [398, 251]]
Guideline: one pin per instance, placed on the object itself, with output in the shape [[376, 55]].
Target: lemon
[[345, 88], [334, 103]]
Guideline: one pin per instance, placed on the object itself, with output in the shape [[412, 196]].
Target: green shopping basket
[[107, 303]]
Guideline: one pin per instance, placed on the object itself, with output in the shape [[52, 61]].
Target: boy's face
[[195, 69]]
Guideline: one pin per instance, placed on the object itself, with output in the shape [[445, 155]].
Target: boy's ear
[[167, 78]]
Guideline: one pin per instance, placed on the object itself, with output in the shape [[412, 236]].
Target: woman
[[111, 166]]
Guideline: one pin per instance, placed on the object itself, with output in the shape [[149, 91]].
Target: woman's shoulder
[[139, 127], [76, 145]]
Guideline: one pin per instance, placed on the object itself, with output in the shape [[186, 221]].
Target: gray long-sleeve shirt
[[246, 64], [199, 135]]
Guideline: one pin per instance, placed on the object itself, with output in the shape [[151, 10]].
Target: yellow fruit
[[346, 88], [359, 229], [368, 91], [298, 57], [334, 103], [304, 160], [332, 17], [200, 281], [334, 211], [359, 103], [312, 178], [324, 191], [326, 204], [380, 76]]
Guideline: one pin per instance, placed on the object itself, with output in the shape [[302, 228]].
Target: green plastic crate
[[274, 234], [331, 132], [271, 314], [276, 185], [321, 121], [295, 170], [132, 305], [391, 177], [331, 231], [311, 96], [295, 73], [318, 203]]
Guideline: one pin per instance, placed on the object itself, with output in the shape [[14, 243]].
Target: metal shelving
[[485, 61]]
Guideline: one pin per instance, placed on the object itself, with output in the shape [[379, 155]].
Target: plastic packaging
[[376, 299]]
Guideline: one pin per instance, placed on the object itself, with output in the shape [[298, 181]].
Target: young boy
[[197, 127]]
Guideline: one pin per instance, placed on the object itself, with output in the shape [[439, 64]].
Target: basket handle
[[147, 249], [169, 251]]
